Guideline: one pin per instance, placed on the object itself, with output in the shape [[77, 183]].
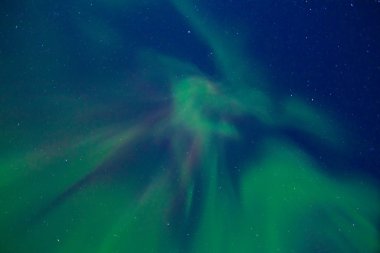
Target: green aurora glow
[[109, 187]]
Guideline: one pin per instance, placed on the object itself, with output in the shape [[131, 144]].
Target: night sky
[[189, 126]]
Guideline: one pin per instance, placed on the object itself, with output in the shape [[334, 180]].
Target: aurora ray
[[150, 169]]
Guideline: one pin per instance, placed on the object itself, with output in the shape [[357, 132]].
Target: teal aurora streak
[[162, 182]]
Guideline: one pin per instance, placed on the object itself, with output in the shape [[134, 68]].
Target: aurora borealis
[[150, 126]]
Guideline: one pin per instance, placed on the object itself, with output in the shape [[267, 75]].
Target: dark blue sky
[[325, 51]]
